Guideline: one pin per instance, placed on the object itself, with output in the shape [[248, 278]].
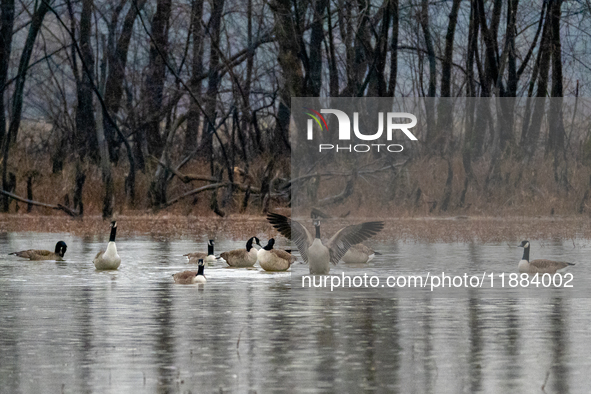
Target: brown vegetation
[[152, 105], [240, 227]]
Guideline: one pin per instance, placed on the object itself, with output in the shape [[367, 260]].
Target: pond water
[[65, 327]]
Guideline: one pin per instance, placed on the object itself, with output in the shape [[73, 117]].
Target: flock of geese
[[345, 244]]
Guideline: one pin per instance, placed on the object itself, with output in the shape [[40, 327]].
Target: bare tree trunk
[[347, 33], [246, 110], [512, 76], [85, 137], [429, 103], [532, 82], [315, 60], [506, 134], [491, 48], [332, 59], [154, 85], [393, 49], [7, 21], [117, 63], [194, 113], [545, 52], [556, 132], [377, 81], [17, 97], [446, 64], [469, 129], [445, 109], [292, 74], [213, 80], [5, 50]]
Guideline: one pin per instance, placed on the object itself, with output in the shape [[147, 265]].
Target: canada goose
[[109, 259], [359, 254], [313, 251], [273, 259], [190, 277], [208, 257], [539, 266], [32, 254], [241, 258]]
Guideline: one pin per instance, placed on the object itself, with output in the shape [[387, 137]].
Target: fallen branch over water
[[59, 207]]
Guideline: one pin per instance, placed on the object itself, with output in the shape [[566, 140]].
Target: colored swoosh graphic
[[318, 115]]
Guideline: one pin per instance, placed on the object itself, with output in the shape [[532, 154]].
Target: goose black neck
[[525, 253], [249, 244], [269, 246], [209, 249], [200, 270], [113, 234], [317, 231]]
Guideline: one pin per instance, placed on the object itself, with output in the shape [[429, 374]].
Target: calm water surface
[[65, 327]]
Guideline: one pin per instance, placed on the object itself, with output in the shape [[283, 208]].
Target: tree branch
[[41, 204]]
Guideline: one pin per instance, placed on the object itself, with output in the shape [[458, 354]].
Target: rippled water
[[65, 327]]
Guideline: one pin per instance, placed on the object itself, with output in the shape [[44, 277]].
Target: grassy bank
[[452, 229]]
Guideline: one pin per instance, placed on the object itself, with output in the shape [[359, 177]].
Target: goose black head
[[60, 248], [525, 246], [210, 247], [316, 215], [270, 244], [249, 243]]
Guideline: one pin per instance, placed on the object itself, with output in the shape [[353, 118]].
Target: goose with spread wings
[[313, 251]]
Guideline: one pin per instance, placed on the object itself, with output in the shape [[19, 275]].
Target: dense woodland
[[141, 105]]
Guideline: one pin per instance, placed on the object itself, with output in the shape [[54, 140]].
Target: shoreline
[[408, 229]]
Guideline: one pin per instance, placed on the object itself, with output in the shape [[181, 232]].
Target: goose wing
[[362, 249], [543, 264], [195, 256], [284, 255], [292, 229], [33, 253], [234, 256], [184, 277], [351, 235]]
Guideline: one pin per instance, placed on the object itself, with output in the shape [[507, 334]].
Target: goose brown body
[[242, 258], [543, 266], [185, 277], [358, 254], [39, 255], [190, 277], [275, 260]]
